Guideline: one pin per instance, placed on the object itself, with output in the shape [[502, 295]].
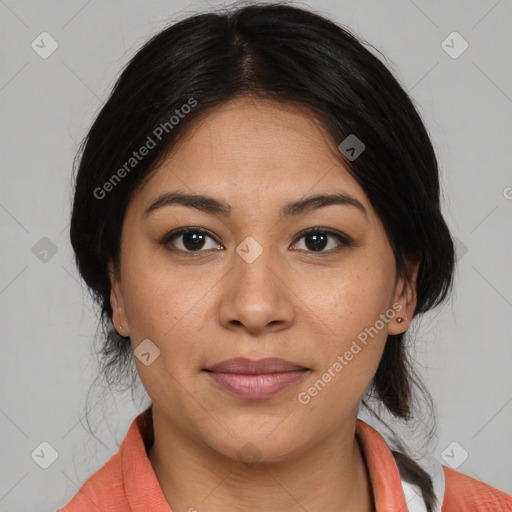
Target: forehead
[[255, 132], [253, 151]]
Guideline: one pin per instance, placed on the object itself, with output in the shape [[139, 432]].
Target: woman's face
[[253, 287]]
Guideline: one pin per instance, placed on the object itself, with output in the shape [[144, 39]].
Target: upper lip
[[255, 366]]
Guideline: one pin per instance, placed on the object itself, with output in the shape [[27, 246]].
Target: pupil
[[196, 238], [319, 244]]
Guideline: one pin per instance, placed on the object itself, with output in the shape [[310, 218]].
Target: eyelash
[[344, 240]]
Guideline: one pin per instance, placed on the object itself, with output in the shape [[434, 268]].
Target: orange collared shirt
[[127, 482]]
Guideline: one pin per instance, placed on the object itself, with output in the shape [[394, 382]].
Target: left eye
[[316, 240]]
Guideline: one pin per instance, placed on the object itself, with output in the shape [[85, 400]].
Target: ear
[[404, 300], [119, 318]]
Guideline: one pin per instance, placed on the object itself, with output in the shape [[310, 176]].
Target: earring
[[399, 319]]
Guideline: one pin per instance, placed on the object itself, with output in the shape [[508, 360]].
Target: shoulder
[[466, 494], [103, 487], [126, 481]]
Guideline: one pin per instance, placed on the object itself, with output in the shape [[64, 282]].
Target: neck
[[329, 476]]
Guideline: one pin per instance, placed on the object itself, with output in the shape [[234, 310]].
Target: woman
[[257, 210]]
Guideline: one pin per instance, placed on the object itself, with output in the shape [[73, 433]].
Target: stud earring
[[399, 319]]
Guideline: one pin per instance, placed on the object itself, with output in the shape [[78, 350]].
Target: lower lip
[[256, 386]]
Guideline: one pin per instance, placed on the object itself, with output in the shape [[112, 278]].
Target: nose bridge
[[255, 263]]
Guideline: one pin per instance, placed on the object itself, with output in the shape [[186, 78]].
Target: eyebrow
[[214, 206]]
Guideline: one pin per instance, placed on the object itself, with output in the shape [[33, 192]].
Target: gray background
[[464, 349]]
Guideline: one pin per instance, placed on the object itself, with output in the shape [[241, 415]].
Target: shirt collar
[[141, 486], [384, 475]]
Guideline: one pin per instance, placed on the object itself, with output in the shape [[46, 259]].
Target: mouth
[[256, 379]]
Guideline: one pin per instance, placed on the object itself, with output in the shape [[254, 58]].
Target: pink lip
[[256, 378]]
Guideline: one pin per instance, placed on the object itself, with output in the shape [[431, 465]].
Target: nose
[[256, 295]]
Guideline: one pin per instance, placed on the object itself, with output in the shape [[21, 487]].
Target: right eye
[[192, 240]]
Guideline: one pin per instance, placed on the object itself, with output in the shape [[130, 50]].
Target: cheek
[[357, 311], [157, 298], [172, 309], [348, 365], [349, 300], [167, 310]]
